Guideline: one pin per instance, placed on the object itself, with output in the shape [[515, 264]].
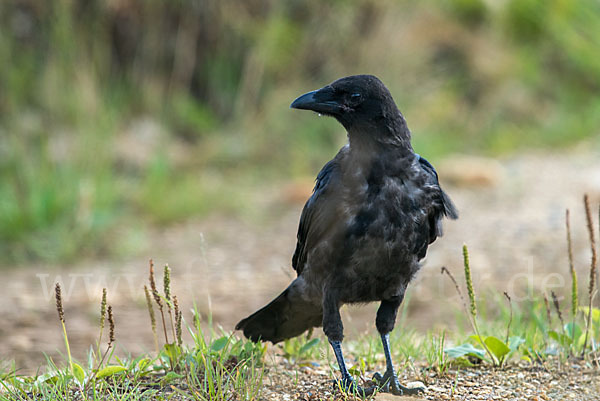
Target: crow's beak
[[321, 101]]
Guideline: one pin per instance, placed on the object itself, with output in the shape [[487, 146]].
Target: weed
[[593, 268], [436, 355], [178, 319], [301, 348], [454, 384], [157, 299], [221, 368], [547, 309], [152, 317], [557, 308], [573, 273], [61, 317], [497, 350], [102, 320], [510, 317], [541, 337]]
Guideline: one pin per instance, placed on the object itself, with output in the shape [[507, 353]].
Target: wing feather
[[441, 205], [313, 220]]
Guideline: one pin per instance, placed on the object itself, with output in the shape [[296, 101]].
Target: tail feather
[[287, 316]]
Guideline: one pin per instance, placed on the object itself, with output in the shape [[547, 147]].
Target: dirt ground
[[570, 381], [511, 216]]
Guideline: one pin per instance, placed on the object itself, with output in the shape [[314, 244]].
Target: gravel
[[519, 381]]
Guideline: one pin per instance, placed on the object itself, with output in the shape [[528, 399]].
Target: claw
[[388, 383], [381, 382], [399, 389], [349, 386]]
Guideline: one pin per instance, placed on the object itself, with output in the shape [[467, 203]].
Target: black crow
[[374, 210]]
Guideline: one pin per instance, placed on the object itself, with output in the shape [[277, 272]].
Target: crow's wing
[[441, 205], [318, 214]]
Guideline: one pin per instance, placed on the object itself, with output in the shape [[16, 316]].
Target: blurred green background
[[117, 115]]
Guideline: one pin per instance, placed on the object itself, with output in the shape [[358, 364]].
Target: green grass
[[216, 366], [220, 366], [209, 370]]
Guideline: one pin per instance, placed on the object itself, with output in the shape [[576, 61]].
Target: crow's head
[[357, 100]]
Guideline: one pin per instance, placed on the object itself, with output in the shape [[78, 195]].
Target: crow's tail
[[287, 316]]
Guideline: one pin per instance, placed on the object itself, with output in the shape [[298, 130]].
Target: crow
[[374, 210]]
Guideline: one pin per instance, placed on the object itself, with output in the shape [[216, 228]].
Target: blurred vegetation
[[123, 112]]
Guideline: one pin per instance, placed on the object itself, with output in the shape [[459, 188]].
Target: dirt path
[[572, 381], [512, 219]]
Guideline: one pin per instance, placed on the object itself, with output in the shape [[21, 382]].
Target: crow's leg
[[386, 318], [347, 383], [334, 330]]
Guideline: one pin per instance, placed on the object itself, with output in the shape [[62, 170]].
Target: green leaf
[[465, 349], [288, 347], [169, 377], [78, 373], [173, 352], [476, 338], [463, 362], [497, 346], [573, 330], [515, 342], [595, 313], [219, 344], [51, 378], [143, 364], [355, 370], [306, 347], [110, 371], [560, 338]]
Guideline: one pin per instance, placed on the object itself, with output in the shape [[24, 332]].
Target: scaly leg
[[386, 319], [347, 383], [389, 381], [334, 330]]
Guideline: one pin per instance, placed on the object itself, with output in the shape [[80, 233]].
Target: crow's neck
[[384, 135]]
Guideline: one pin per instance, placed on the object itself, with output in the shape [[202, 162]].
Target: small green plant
[[217, 367], [61, 317], [593, 268], [221, 365], [454, 384], [152, 317], [573, 273], [496, 349], [365, 352], [567, 332], [300, 349], [75, 371], [574, 337], [437, 358], [102, 320], [557, 335]]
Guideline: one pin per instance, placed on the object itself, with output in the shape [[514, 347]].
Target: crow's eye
[[355, 96]]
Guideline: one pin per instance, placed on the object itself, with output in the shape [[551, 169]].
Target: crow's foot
[[389, 383], [349, 386]]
